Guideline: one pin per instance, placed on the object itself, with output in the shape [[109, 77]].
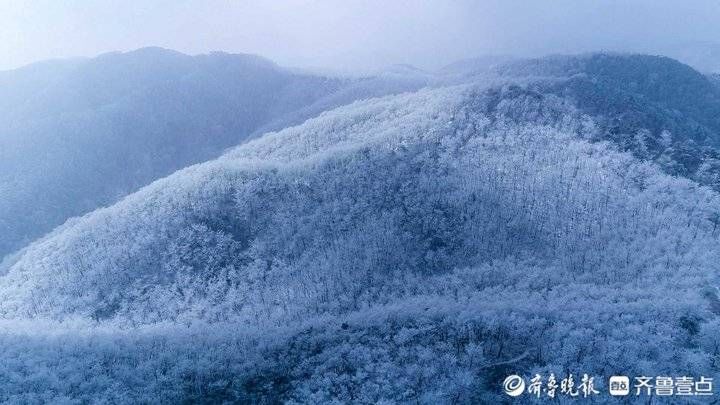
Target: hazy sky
[[348, 33]]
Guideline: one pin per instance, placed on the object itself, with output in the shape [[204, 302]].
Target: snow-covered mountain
[[80, 134], [655, 107], [411, 248]]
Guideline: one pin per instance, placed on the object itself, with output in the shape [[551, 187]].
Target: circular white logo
[[514, 385]]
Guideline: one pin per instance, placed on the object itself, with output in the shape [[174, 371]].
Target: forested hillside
[[655, 107], [411, 248], [80, 134]]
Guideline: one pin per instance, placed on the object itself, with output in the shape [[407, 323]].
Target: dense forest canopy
[[543, 216]]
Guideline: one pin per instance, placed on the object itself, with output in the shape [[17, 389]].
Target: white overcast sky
[[349, 34]]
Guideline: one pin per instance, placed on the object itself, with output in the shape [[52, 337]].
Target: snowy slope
[[654, 107], [432, 241], [83, 133]]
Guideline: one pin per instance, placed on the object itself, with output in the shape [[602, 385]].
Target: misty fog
[[356, 35]]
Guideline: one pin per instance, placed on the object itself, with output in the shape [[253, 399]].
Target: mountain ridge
[[103, 127]]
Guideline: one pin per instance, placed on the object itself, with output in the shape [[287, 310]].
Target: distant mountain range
[[80, 134]]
